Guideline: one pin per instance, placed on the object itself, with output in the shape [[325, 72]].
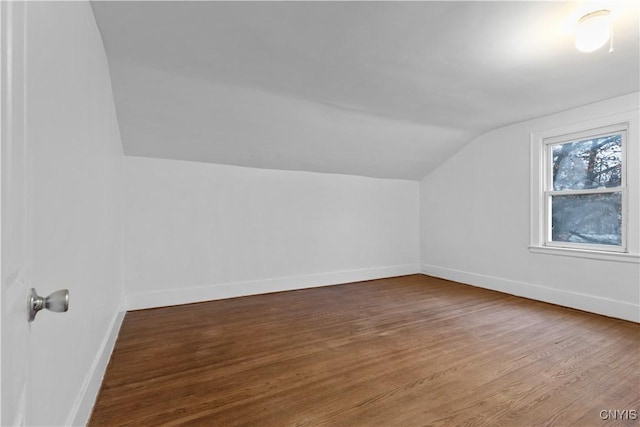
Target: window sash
[[607, 248]]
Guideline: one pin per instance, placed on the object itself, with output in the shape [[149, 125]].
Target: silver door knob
[[57, 301]]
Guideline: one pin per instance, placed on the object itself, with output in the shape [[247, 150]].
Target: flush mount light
[[593, 31]]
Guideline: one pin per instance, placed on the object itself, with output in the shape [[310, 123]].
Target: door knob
[[57, 301]]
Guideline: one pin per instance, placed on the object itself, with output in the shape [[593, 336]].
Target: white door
[[14, 270]]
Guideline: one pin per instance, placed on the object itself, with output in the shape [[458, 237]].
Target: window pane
[[589, 218], [590, 163]]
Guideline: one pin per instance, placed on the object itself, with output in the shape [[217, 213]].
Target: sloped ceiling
[[381, 89]]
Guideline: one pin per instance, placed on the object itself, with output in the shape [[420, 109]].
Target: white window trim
[[540, 140]]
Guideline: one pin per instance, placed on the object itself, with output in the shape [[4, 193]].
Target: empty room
[[320, 213]]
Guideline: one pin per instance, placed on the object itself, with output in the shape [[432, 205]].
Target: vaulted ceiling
[[382, 89]]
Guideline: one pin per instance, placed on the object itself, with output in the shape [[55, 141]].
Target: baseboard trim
[[81, 411], [593, 304], [187, 295]]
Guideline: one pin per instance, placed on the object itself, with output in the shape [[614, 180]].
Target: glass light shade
[[593, 31]]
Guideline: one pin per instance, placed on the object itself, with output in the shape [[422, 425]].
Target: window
[[585, 190], [580, 192]]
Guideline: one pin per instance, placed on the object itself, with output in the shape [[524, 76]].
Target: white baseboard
[[81, 411], [590, 303], [187, 295]]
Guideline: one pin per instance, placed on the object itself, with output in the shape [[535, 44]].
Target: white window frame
[[621, 129], [541, 190]]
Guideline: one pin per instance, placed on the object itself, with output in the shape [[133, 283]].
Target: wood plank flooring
[[405, 351]]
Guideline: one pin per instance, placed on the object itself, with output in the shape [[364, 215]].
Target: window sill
[[584, 253]]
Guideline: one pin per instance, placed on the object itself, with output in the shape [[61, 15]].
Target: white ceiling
[[382, 89]]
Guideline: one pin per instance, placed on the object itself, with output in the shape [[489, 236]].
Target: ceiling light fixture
[[593, 31]]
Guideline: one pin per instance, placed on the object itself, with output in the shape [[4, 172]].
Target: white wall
[[198, 231], [475, 223], [75, 157]]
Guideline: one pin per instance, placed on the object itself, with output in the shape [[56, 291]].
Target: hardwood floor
[[406, 351]]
